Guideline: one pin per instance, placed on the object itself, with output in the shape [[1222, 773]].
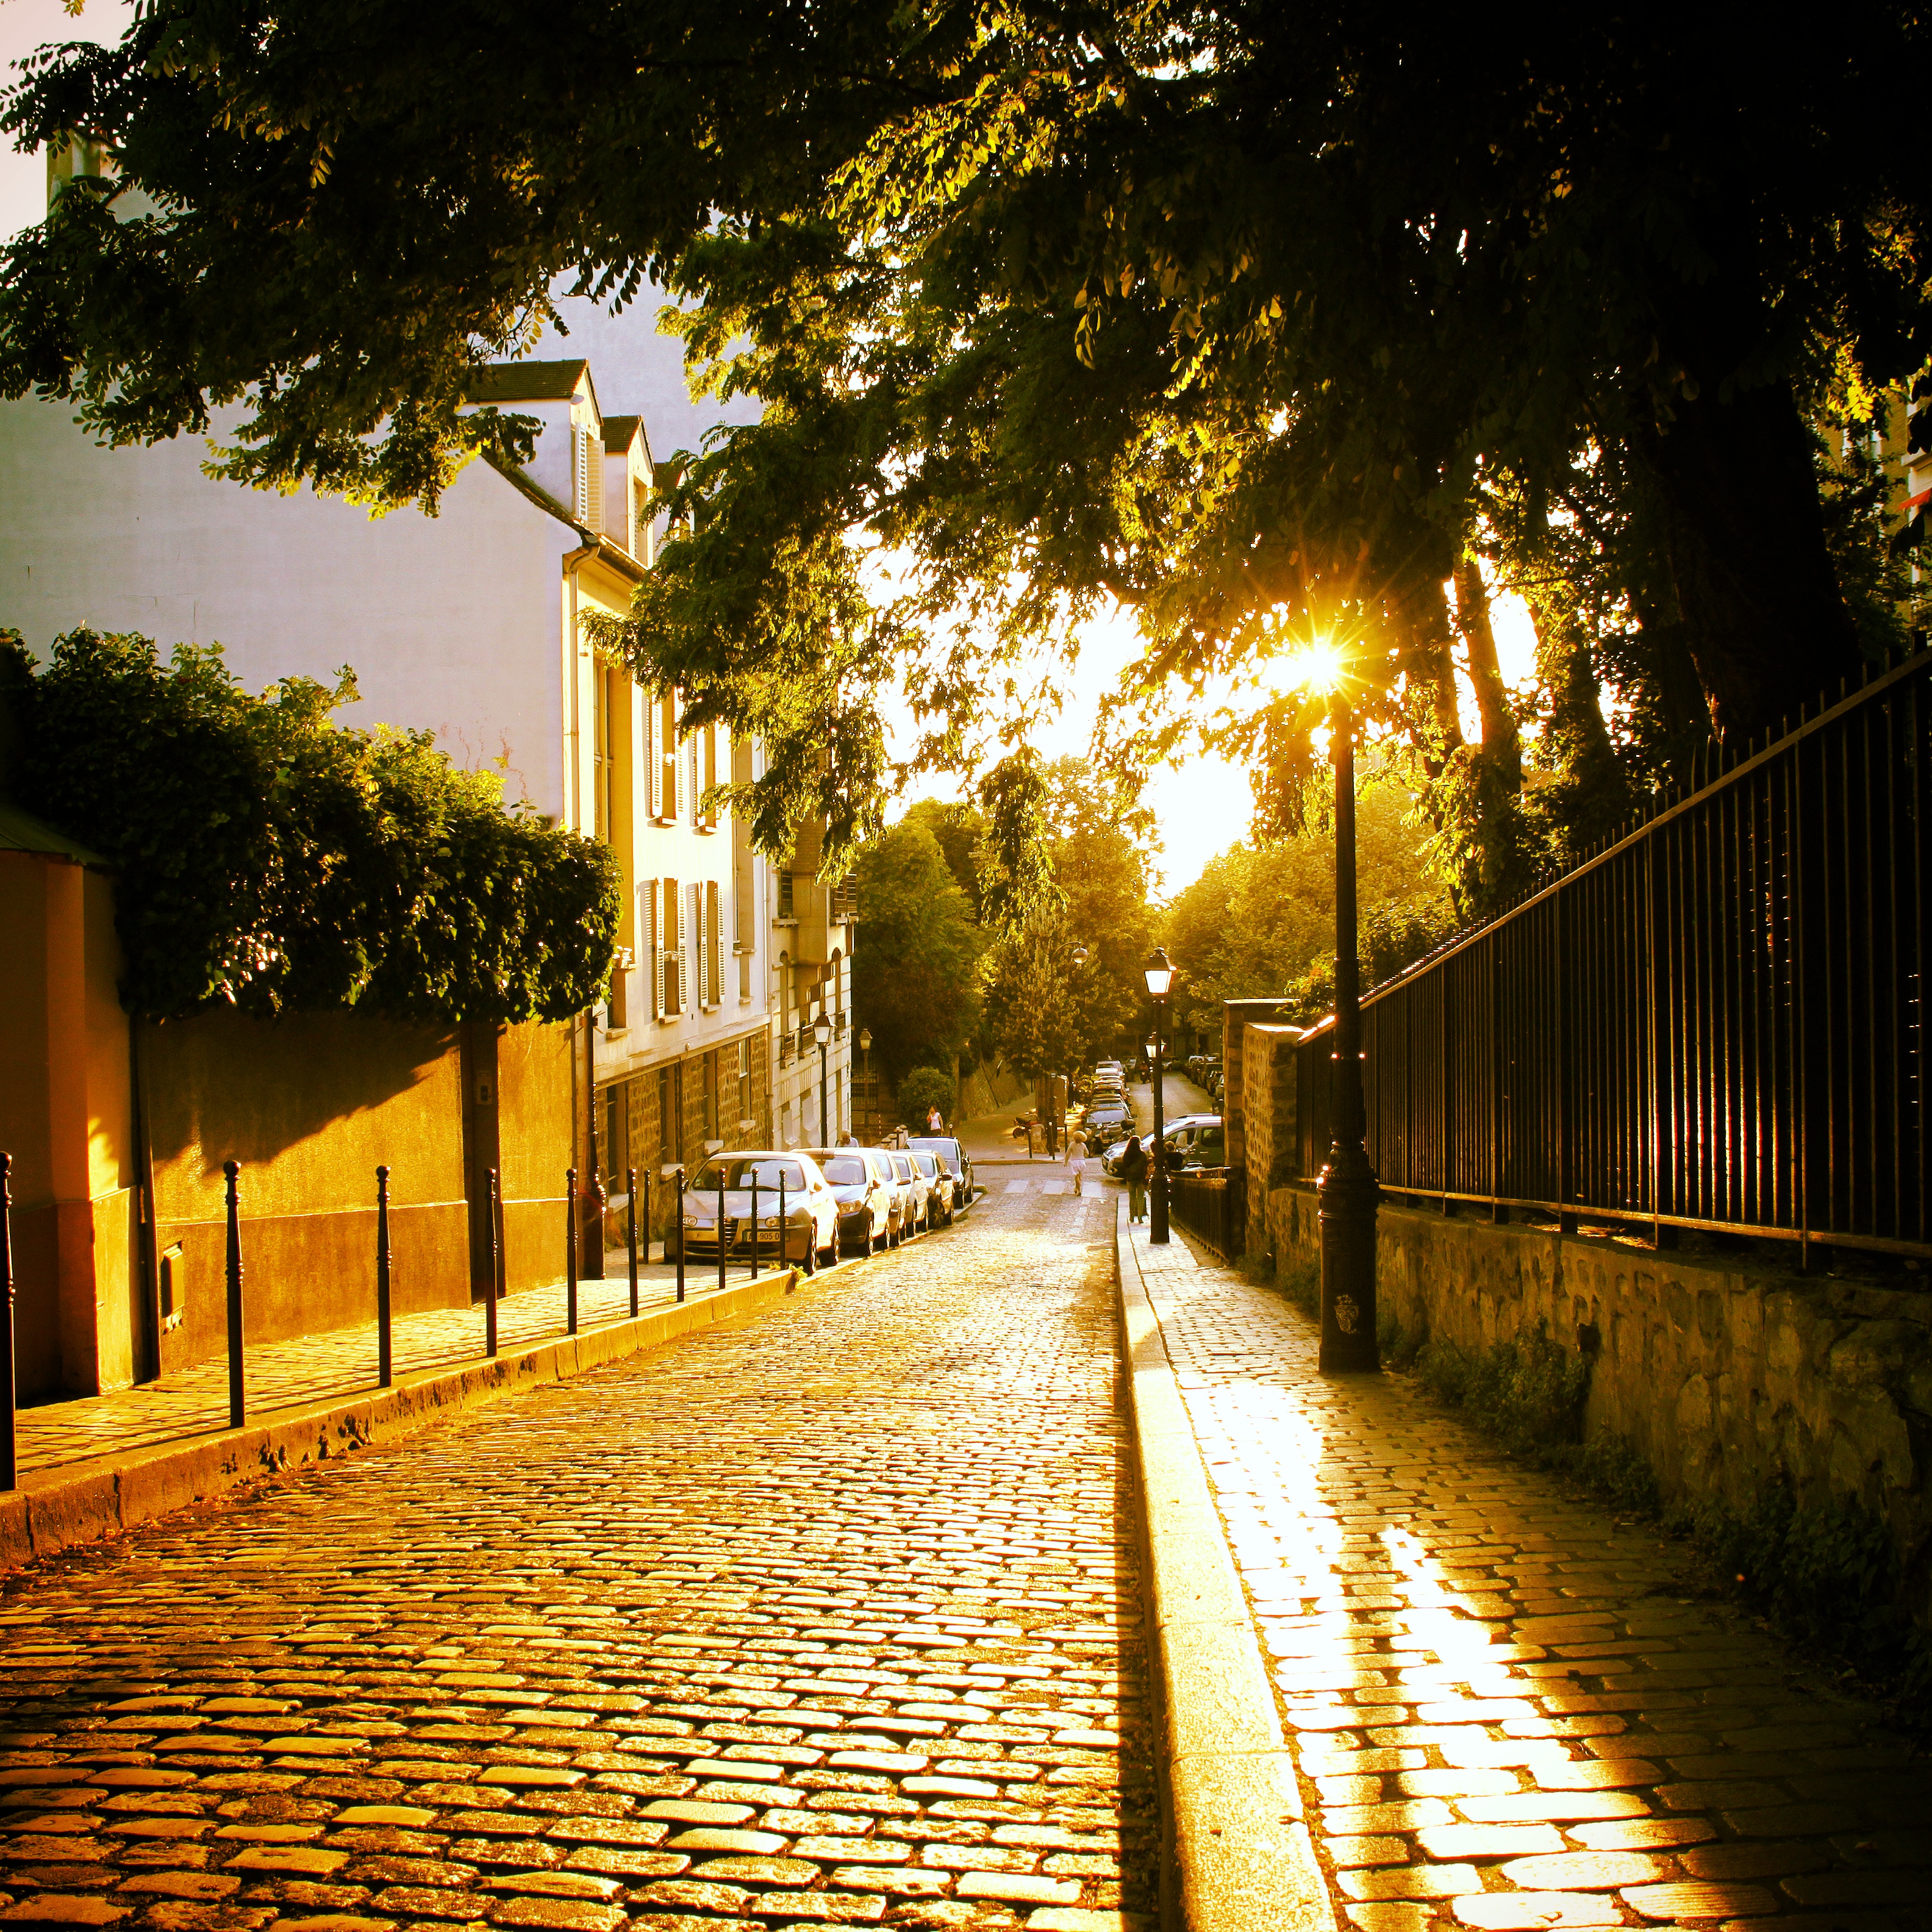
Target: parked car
[[957, 1162], [904, 1198], [811, 1233], [1109, 1120], [1178, 1132], [1208, 1148], [867, 1193], [912, 1196], [938, 1187]]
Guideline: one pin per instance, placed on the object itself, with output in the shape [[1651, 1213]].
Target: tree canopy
[[268, 858], [1262, 321]]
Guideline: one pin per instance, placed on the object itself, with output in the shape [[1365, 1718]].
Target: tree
[[915, 966], [1036, 1001], [923, 1089], [1261, 921], [269, 858], [1247, 318]]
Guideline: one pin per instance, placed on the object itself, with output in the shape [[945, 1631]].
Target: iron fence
[[1715, 1022], [1212, 1205]]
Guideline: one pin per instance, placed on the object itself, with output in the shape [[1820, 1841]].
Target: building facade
[[471, 625]]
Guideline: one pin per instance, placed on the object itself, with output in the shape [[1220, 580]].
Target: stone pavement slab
[[1508, 1709], [830, 1617]]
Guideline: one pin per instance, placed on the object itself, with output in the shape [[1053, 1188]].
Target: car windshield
[[902, 1166], [946, 1152], [737, 1171], [926, 1165], [844, 1170]]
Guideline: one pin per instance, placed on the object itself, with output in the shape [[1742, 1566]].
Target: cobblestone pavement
[[333, 1365], [829, 1615], [1508, 1709]]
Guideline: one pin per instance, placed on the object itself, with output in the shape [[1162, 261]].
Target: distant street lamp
[[866, 1068], [821, 1031], [1159, 972]]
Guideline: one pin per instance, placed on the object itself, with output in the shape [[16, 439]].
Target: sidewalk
[[1507, 1708], [335, 1365]]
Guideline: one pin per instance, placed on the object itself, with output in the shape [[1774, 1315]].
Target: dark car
[[955, 1159], [1105, 1124]]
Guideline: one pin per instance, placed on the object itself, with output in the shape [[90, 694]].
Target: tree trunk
[[1428, 658], [1501, 742], [1765, 622]]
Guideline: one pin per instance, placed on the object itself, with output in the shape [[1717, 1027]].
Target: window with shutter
[[684, 936], [714, 948], [653, 951], [673, 946], [593, 481], [653, 770], [670, 785]]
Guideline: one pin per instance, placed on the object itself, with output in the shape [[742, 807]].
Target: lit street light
[[865, 1064], [1347, 1192], [1159, 972]]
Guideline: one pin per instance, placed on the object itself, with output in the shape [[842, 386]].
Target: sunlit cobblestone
[[1508, 1710], [830, 1617]]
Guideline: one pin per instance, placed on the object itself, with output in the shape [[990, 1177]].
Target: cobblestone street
[[829, 1615], [1508, 1710]]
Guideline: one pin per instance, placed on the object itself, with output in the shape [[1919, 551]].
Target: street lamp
[[1347, 1192], [865, 1069], [821, 1031], [1159, 972]]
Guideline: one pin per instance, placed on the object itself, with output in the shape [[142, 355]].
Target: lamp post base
[[1348, 1194]]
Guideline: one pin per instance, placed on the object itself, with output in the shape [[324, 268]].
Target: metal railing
[[1211, 1204], [1717, 1021]]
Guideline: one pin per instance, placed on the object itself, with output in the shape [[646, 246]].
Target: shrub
[[268, 858], [924, 1088]]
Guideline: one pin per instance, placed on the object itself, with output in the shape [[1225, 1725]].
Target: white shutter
[[683, 955], [653, 946], [593, 478], [653, 764], [714, 964], [679, 803], [580, 479]]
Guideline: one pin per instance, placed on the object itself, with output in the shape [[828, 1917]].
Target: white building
[[469, 624]]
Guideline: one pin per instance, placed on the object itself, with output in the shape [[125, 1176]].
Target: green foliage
[[1260, 918], [1529, 1394], [915, 967], [1256, 321], [1035, 999], [924, 1088], [269, 858]]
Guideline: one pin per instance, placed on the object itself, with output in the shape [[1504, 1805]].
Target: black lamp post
[[871, 1099], [1347, 1192], [1160, 971], [821, 1031]]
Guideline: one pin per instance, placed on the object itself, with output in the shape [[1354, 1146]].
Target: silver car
[[867, 1193], [913, 1182], [905, 1200], [938, 1187]]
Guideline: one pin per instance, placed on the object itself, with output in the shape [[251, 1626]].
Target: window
[[787, 904], [671, 939], [714, 949], [711, 1097], [664, 785], [744, 1079], [667, 1111], [616, 1134]]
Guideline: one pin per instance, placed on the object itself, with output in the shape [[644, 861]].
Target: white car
[[1179, 1134], [810, 1232], [904, 1194], [868, 1196], [913, 1217]]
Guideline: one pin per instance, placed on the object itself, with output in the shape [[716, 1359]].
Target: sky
[[1202, 808]]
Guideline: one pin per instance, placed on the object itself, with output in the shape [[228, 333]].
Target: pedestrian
[[1134, 1172], [1076, 1159], [935, 1122]]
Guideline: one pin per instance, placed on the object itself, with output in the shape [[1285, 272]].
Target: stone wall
[[1727, 1380]]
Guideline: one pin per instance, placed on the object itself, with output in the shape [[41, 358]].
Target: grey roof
[[20, 832]]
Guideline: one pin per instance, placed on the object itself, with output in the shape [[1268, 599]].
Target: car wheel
[[811, 1251]]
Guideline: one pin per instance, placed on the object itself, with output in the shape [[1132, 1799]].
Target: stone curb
[[54, 1509], [1236, 1854]]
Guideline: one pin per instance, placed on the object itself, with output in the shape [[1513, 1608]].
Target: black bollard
[[680, 1231], [646, 1217], [631, 1233], [570, 1250], [722, 1244], [385, 1351], [755, 1220], [495, 1263], [238, 1395], [10, 1470], [784, 1228]]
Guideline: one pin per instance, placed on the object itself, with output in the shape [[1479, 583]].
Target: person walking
[[1134, 1172], [1076, 1159], [935, 1122]]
